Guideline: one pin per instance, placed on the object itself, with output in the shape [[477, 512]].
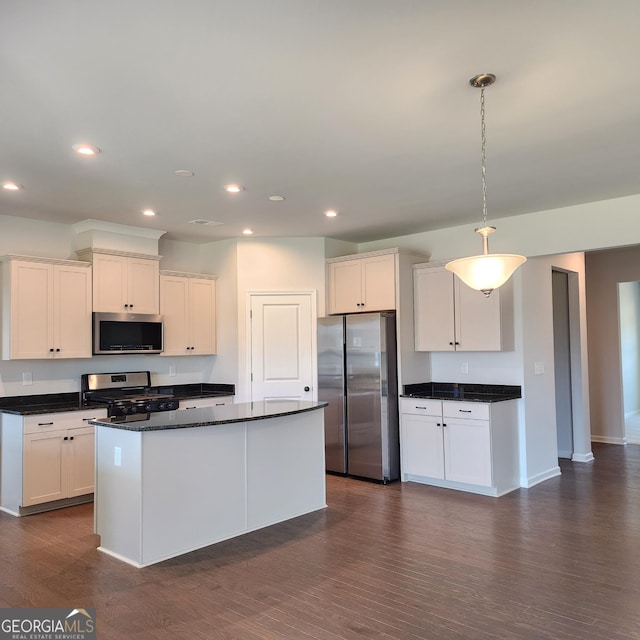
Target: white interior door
[[282, 347]]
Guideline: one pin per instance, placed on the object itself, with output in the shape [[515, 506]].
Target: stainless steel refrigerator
[[357, 376]]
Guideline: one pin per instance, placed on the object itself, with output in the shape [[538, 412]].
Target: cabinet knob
[[51, 350], [451, 343], [57, 350], [65, 438], [126, 306], [71, 438]]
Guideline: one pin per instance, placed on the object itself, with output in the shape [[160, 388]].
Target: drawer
[[472, 410], [58, 421], [198, 403], [421, 407]]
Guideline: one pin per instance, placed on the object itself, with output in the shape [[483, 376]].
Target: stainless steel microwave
[[121, 333]]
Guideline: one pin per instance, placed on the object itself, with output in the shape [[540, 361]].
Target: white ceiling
[[359, 105]]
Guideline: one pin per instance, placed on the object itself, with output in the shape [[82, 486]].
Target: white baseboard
[[527, 483], [608, 439]]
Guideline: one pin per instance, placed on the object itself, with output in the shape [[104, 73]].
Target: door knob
[[306, 388]]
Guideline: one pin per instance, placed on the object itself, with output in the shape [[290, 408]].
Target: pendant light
[[488, 271]]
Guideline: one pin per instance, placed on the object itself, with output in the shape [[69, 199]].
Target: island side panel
[[118, 496], [193, 488], [285, 468]]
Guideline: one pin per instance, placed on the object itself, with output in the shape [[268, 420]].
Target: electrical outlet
[[464, 368], [117, 456], [172, 370], [27, 378]]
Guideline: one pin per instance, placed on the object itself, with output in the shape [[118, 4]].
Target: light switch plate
[[27, 378], [117, 456], [538, 368]]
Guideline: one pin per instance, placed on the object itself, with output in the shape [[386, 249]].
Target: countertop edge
[[488, 399], [132, 426]]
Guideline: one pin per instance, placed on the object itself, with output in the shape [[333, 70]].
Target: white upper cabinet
[[188, 307], [362, 284], [46, 311], [125, 283], [450, 316]]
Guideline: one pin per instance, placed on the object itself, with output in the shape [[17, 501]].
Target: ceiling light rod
[[488, 271]]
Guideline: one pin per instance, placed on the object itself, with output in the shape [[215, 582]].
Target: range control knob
[[172, 404], [133, 409], [162, 406]]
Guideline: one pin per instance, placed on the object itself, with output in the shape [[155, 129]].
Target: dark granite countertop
[[462, 392], [61, 402], [210, 416]]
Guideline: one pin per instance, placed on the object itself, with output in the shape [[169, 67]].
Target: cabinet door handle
[[451, 343], [464, 410], [438, 424], [444, 424], [45, 424]]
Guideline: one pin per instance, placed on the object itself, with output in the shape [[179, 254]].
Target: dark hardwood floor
[[560, 560]]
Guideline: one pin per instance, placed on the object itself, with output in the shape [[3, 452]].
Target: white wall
[[252, 265], [594, 225]]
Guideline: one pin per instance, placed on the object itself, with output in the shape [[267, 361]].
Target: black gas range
[[126, 393]]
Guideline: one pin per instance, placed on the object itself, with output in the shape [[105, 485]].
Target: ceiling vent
[[200, 221]]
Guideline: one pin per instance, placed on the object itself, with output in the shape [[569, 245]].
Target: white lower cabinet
[[470, 446], [47, 458]]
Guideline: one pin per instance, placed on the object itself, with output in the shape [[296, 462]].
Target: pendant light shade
[[487, 271]]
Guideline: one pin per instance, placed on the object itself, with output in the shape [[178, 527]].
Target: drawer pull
[[187, 408], [45, 424], [421, 407], [88, 419], [464, 410]]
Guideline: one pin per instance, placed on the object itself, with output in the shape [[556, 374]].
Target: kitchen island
[[182, 480]]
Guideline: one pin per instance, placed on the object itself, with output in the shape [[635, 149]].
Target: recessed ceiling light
[[331, 213], [276, 198], [247, 232], [11, 186], [149, 212], [184, 173], [86, 149], [233, 188]]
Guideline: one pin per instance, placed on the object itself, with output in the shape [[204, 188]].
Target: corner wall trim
[[582, 457], [540, 477]]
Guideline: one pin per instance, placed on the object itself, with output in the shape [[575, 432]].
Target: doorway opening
[[629, 331], [562, 349]]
